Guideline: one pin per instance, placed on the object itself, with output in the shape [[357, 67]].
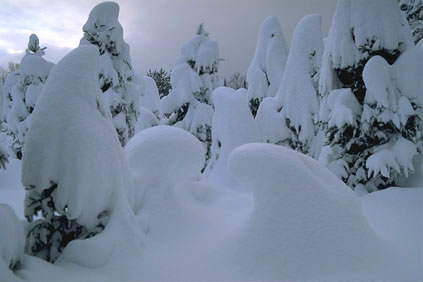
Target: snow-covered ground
[[186, 237]]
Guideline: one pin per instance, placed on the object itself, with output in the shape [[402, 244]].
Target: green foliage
[[47, 237], [162, 79]]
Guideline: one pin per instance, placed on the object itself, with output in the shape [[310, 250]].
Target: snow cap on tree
[[116, 74], [267, 68], [298, 91], [73, 163], [21, 91], [189, 103]]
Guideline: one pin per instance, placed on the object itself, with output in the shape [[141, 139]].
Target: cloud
[[155, 29]]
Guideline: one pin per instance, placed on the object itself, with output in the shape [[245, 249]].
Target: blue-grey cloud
[[154, 29]]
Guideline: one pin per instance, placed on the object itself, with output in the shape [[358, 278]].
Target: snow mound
[[303, 215], [67, 126], [158, 151], [12, 240]]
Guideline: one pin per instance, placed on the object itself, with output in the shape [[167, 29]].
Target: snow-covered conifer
[[356, 123], [265, 73], [298, 92], [149, 112], [233, 126], [73, 162], [4, 157], [189, 105], [21, 91], [116, 76], [413, 10]]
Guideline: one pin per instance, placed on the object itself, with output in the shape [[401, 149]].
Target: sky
[[154, 29]]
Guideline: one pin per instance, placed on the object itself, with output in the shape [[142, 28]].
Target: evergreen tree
[[413, 10], [298, 92], [189, 105], [162, 79], [265, 73], [236, 81], [3, 157], [73, 161], [116, 76], [21, 91], [357, 37]]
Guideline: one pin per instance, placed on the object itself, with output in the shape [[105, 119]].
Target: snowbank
[[303, 215]]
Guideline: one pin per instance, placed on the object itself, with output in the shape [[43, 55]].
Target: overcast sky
[[154, 29]]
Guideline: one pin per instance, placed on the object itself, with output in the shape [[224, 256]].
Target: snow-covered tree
[[298, 92], [233, 126], [21, 91], [116, 76], [73, 162], [413, 10], [357, 124], [265, 73], [149, 112], [162, 79], [12, 241], [189, 105], [236, 81]]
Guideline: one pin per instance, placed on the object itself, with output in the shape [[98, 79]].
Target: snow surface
[[198, 236], [328, 223]]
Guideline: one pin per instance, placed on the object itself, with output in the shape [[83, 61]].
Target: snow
[[298, 91], [395, 215], [407, 69], [265, 73], [12, 238], [344, 108], [34, 65], [271, 121], [11, 190], [162, 150], [357, 18], [397, 156], [67, 111], [233, 125], [378, 83], [258, 211], [150, 98], [286, 183], [32, 94], [104, 31]]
